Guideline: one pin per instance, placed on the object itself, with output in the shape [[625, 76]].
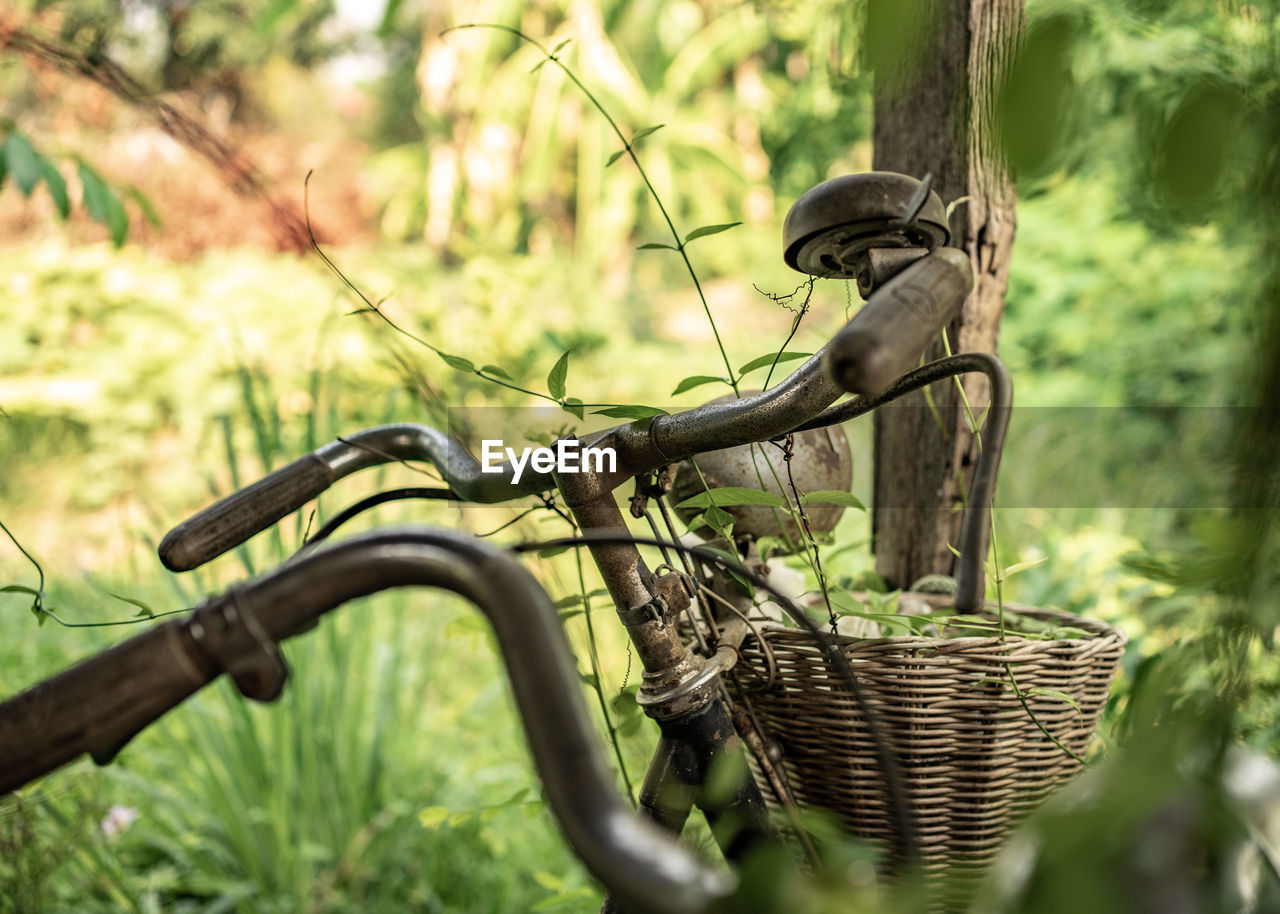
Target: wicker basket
[[973, 759]]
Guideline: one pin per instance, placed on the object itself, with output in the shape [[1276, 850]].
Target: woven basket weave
[[973, 759]]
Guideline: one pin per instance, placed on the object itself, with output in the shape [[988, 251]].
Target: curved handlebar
[[93, 707], [974, 532], [915, 305], [232, 520]]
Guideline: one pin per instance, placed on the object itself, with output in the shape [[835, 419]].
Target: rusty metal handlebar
[[884, 340], [97, 706], [976, 526], [232, 520]]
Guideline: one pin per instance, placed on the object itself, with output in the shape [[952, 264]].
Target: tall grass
[[394, 706]]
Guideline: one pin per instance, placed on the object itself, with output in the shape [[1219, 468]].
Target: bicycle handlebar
[[890, 331], [100, 704], [885, 338], [232, 520], [970, 577]]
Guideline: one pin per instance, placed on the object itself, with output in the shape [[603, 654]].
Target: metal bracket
[[651, 485], [653, 611], [231, 636], [671, 598]]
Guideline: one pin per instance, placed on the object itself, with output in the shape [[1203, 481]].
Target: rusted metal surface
[[829, 229], [629, 581], [884, 340]]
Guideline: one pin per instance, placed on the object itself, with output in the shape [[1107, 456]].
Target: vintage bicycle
[[689, 619]]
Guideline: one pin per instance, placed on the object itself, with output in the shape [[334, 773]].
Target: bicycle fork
[[700, 761]]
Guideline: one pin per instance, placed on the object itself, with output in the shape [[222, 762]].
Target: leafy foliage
[[27, 168]]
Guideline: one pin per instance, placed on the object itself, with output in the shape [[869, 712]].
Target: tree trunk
[[936, 115]]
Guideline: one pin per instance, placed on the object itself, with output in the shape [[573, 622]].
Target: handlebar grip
[[100, 704], [229, 522], [884, 340]]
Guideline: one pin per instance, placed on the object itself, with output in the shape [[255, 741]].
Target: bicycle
[[889, 232]]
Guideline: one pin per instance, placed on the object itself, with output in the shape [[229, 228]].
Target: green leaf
[[718, 520], [696, 380], [1023, 566], [1067, 633], [846, 605], [23, 162], [561, 899], [625, 701], [733, 495], [634, 411], [560, 47], [1057, 694], [590, 679], [386, 27], [645, 131], [538, 66], [18, 588], [103, 205], [706, 230], [574, 405], [575, 599], [654, 246], [117, 219], [832, 497], [733, 567], [631, 724], [144, 204], [551, 551], [456, 361], [516, 798], [145, 611], [971, 621], [94, 191], [433, 816], [613, 158], [57, 187], [768, 359], [556, 378], [496, 372]]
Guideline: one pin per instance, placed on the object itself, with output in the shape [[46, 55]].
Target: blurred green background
[[160, 351]]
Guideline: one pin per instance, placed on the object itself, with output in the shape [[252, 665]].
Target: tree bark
[[936, 114]]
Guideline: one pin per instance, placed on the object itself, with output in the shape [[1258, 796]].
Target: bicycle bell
[[820, 460], [867, 227]]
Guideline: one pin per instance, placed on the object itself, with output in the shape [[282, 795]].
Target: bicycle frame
[[642, 866]]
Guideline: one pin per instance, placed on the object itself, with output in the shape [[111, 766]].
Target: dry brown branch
[[287, 223]]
